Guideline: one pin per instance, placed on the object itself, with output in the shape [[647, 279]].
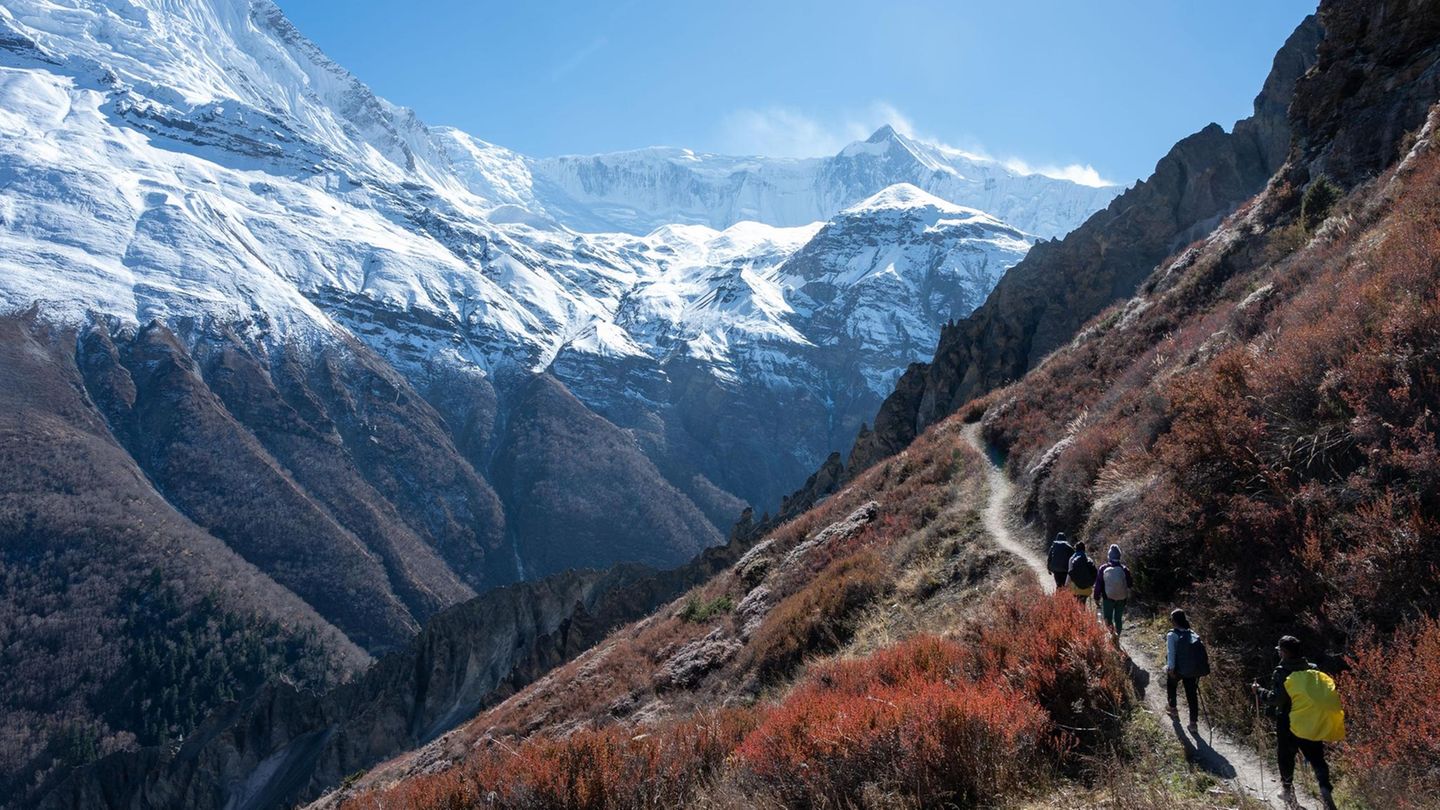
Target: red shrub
[[935, 740], [818, 617], [614, 768], [942, 721], [921, 658], [1053, 651], [1393, 717]]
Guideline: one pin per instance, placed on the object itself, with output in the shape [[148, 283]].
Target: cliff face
[[1042, 301], [1377, 76]]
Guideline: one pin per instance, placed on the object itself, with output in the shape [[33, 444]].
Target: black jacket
[[1059, 559], [1276, 698]]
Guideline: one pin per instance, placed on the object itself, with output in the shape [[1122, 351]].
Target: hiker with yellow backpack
[[1307, 712]]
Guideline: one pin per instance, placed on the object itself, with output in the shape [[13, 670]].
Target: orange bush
[[1393, 716], [904, 720], [614, 768], [937, 720], [1053, 651]]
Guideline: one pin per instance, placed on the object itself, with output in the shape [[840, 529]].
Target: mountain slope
[[105, 582], [296, 199], [1255, 427], [281, 745]]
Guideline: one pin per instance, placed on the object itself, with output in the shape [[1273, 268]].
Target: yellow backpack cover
[[1315, 712]]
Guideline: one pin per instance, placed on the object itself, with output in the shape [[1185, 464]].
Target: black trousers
[[1192, 694], [1059, 579], [1287, 745]]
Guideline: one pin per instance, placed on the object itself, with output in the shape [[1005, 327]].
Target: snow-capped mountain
[[885, 273], [639, 190], [196, 179]]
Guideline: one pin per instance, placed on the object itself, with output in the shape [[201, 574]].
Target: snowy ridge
[[638, 190], [170, 159]]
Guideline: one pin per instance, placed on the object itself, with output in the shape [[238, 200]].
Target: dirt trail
[[1239, 765]]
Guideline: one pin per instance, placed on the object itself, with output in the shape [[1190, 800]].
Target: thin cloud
[[1085, 175], [780, 131], [577, 58]]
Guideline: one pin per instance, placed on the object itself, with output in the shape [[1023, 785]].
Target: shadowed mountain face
[[281, 746], [314, 499]]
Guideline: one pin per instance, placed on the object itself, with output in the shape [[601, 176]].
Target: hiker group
[[1110, 584], [1303, 701]]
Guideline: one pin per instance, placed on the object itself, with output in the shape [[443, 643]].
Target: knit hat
[[1289, 644], [1114, 553]]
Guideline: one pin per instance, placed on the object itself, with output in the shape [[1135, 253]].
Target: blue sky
[[1063, 86]]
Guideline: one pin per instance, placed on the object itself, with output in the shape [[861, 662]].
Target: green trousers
[[1112, 611]]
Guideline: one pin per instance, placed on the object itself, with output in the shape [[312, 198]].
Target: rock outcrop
[[1376, 79]]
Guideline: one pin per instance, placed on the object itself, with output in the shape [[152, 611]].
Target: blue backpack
[[1192, 660]]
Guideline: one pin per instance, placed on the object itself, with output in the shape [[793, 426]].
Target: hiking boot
[[1172, 711], [1287, 797], [1194, 728], [1326, 799]]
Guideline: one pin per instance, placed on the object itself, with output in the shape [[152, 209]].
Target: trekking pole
[[1259, 749], [1205, 715]]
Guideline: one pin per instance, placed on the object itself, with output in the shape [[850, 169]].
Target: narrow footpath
[[1239, 765]]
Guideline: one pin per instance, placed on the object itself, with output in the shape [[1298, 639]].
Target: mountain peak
[[907, 195], [883, 134]]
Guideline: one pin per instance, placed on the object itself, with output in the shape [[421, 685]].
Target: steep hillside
[[780, 681], [282, 744], [1256, 425], [124, 621]]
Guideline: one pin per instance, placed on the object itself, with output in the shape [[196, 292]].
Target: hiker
[[1081, 572], [1307, 713], [1059, 563], [1186, 662], [1112, 590]]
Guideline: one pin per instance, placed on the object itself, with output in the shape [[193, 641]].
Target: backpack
[[1082, 572], [1060, 552], [1315, 711], [1192, 660], [1117, 585]]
